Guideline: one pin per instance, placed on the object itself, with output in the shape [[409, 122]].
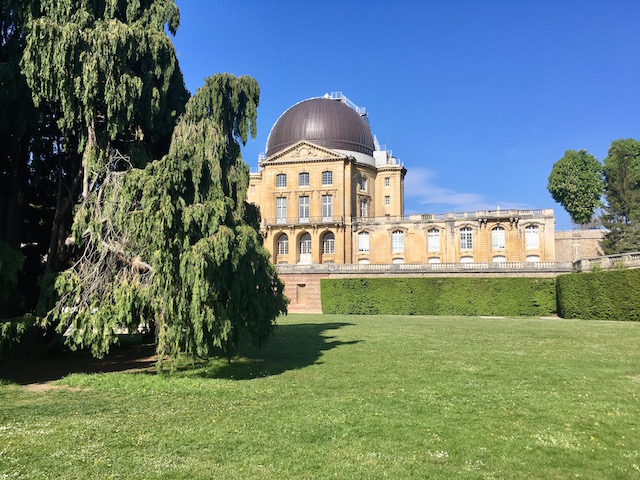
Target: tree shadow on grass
[[291, 347], [126, 358]]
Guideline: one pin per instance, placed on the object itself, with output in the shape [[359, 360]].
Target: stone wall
[[576, 244], [303, 291]]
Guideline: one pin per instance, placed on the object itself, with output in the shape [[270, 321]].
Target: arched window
[[466, 259], [497, 238], [305, 248], [466, 238], [532, 237], [533, 258], [363, 242], [397, 241], [329, 243], [433, 240], [434, 260], [499, 259], [283, 244]]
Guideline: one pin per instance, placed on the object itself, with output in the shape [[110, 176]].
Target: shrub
[[605, 295], [439, 296]]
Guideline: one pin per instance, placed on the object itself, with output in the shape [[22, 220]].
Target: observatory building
[[330, 194]]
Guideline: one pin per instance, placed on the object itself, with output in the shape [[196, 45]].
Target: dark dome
[[325, 122]]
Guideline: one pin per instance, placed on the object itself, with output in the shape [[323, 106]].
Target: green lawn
[[352, 397]]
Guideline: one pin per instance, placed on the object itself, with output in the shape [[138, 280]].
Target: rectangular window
[[397, 241], [387, 181], [303, 179], [303, 210], [531, 238], [387, 200], [497, 238], [327, 178], [466, 239], [363, 183], [281, 180], [433, 240], [281, 210], [327, 208], [363, 209], [363, 242], [253, 189]]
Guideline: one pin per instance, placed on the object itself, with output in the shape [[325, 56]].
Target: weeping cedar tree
[[622, 195], [575, 183], [175, 244], [108, 72]]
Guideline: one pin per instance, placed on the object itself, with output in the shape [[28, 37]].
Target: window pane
[[303, 210], [531, 238], [466, 259], [497, 237], [363, 208], [328, 243], [283, 245], [387, 200], [363, 242], [499, 259], [281, 180], [387, 181], [281, 210], [434, 259], [397, 241], [305, 244], [533, 258], [327, 178], [433, 240], [303, 179], [327, 207], [466, 239]]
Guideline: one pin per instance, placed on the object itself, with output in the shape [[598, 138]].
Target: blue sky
[[477, 99]]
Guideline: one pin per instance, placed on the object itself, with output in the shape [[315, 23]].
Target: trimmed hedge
[[604, 295], [439, 296]]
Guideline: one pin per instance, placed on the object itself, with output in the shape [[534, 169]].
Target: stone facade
[[343, 203]]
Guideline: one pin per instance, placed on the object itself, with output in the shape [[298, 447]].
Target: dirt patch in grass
[[39, 373]]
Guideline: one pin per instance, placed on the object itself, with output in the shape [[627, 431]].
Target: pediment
[[304, 150]]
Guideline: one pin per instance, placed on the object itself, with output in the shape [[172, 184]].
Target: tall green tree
[[622, 195], [109, 72], [176, 244], [575, 183]]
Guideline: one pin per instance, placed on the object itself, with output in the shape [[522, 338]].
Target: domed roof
[[325, 122]]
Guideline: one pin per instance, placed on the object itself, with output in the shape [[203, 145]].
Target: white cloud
[[420, 186]]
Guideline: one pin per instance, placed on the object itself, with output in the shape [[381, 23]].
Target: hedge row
[[606, 295], [439, 296]]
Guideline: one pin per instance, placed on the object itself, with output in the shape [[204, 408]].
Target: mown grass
[[352, 397]]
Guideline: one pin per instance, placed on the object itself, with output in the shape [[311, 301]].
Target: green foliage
[[439, 296], [604, 295], [11, 262], [622, 194], [172, 242], [575, 183], [11, 330]]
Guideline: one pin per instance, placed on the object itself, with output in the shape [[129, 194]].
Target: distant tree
[[575, 183], [175, 243], [622, 195]]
